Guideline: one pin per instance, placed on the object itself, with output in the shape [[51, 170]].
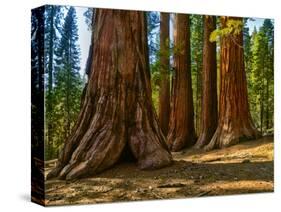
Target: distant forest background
[[64, 80]]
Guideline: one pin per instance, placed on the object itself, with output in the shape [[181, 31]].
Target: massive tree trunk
[[235, 122], [181, 127], [164, 96], [117, 109], [209, 111]]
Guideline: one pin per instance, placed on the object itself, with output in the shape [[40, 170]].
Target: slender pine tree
[[68, 82], [52, 28]]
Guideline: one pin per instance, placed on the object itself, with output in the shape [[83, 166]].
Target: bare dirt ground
[[244, 168]]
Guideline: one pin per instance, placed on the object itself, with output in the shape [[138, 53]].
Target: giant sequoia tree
[[117, 109], [164, 94], [235, 123], [181, 126], [209, 112]]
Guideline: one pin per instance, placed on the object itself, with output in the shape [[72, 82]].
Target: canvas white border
[[15, 103]]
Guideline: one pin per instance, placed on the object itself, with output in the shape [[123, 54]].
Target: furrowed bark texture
[[164, 96], [235, 122], [118, 107], [209, 111], [181, 127]]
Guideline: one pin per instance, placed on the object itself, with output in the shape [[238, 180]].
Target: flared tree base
[[117, 111], [225, 138]]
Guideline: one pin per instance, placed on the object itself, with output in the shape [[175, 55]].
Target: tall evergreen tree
[[52, 26], [249, 73], [68, 82], [247, 47], [209, 112], [248, 60], [257, 77], [89, 14], [164, 94], [261, 76], [268, 29]]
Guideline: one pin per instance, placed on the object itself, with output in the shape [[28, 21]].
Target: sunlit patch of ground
[[244, 168]]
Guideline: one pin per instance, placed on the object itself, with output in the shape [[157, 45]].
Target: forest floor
[[243, 168]]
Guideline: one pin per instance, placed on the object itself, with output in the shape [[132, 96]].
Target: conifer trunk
[[198, 101], [235, 123], [262, 96], [164, 95], [267, 96], [117, 109], [181, 126], [209, 111]]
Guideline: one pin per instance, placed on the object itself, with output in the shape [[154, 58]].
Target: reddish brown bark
[[117, 109], [181, 127], [209, 112], [164, 95], [235, 122]]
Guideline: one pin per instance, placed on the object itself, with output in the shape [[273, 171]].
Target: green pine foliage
[[153, 38], [233, 27], [88, 14], [247, 47], [260, 76], [155, 82], [67, 85], [196, 44], [52, 29]]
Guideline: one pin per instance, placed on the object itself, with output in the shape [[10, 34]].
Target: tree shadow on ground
[[125, 182], [188, 170]]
